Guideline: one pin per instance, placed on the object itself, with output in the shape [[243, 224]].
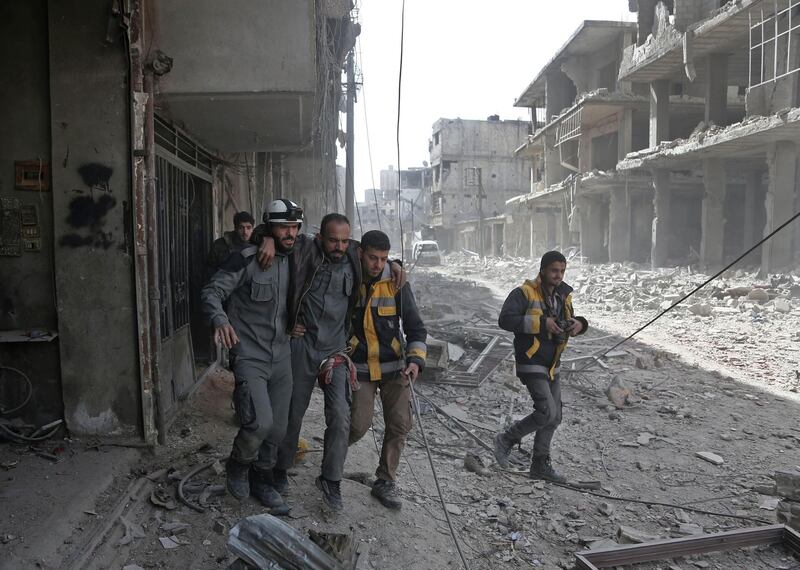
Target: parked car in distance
[[427, 252]]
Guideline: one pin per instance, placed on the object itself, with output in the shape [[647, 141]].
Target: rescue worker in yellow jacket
[[540, 315], [385, 360]]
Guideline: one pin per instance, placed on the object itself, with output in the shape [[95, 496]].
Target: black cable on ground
[[402, 258], [28, 392], [655, 503], [436, 478], [682, 299]]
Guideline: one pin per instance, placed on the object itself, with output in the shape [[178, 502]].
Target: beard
[[285, 245]]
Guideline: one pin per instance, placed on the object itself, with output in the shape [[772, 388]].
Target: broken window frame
[[569, 127], [666, 549], [760, 26]]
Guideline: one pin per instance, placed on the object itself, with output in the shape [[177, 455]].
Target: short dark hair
[[333, 218], [243, 218], [551, 257], [377, 240]]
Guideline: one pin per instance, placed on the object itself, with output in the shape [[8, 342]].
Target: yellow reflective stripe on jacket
[[532, 291], [382, 298], [418, 349]]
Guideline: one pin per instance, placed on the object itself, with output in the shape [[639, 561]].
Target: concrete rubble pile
[[741, 321]]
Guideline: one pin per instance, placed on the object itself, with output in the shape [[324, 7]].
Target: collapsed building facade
[[746, 160], [129, 147], [653, 142], [474, 174]]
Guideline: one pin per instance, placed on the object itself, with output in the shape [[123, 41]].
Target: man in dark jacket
[[231, 242], [385, 360], [325, 278], [540, 315]]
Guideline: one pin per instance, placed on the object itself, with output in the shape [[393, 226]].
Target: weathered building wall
[[303, 183], [596, 70], [27, 296], [213, 52], [459, 145], [92, 221]]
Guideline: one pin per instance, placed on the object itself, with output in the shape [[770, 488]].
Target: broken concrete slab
[[787, 485], [710, 457], [619, 391], [701, 309], [759, 295], [630, 535]]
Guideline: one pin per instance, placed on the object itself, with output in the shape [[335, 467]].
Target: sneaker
[[502, 449], [386, 493], [541, 468], [261, 488], [236, 478], [331, 493], [280, 480]]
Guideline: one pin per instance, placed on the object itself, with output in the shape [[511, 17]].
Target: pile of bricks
[[787, 486]]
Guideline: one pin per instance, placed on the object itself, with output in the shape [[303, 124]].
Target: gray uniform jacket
[[256, 305]]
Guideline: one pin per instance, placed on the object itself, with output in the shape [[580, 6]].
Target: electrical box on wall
[[10, 227], [32, 175], [31, 233]]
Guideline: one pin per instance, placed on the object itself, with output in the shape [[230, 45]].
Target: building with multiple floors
[[474, 173]]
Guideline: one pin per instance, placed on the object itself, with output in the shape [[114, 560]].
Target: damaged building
[[666, 141], [474, 174], [128, 147], [744, 159]]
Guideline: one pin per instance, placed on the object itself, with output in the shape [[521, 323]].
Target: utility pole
[[476, 179], [480, 210], [349, 188]]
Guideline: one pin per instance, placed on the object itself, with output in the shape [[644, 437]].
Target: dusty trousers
[[546, 415], [305, 366], [261, 397], [395, 392]]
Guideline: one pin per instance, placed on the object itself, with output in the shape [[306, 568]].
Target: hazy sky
[[462, 58]]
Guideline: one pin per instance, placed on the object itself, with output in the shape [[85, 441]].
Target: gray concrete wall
[[27, 296], [92, 221], [488, 145], [212, 42], [585, 71]]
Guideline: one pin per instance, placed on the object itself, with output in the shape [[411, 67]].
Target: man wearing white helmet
[[253, 326], [324, 289]]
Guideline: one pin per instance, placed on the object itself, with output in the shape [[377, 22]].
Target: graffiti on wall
[[87, 214]]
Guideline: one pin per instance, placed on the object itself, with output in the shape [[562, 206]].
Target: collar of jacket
[[563, 289]]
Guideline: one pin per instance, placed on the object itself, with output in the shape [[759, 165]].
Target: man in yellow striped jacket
[[384, 359], [533, 312]]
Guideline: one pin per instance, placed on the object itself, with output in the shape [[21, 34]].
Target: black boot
[[502, 449], [331, 493], [541, 468], [262, 489], [386, 493], [236, 478], [280, 480]]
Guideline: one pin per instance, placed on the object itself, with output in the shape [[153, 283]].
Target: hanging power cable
[[369, 147], [402, 258], [766, 238]]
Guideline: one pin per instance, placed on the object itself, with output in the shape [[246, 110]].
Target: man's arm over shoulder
[[514, 317], [225, 281], [414, 328]]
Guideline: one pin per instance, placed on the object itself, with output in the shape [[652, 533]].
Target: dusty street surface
[[646, 450]]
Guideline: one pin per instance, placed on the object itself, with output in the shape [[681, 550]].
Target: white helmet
[[283, 211]]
